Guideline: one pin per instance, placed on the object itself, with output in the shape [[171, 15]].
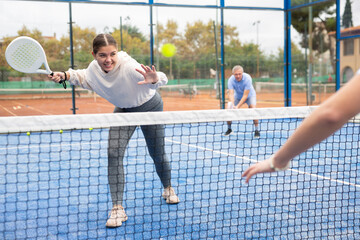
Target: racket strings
[[26, 56]]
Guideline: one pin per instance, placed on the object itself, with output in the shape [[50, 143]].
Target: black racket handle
[[62, 81]]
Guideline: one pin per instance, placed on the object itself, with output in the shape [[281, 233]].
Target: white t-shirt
[[120, 85]]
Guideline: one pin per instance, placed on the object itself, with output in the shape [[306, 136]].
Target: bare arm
[[231, 95], [243, 99], [324, 121]]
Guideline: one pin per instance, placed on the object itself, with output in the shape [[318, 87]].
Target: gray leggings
[[118, 140]]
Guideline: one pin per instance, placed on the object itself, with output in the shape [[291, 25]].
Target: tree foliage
[[195, 49], [323, 21], [347, 16]]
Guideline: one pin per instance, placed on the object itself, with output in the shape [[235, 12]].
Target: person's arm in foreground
[[324, 121]]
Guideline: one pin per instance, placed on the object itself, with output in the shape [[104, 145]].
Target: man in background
[[241, 91]]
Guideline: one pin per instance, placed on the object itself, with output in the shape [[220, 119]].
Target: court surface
[[55, 186], [56, 104]]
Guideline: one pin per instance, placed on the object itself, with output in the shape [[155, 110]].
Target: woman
[[131, 87], [325, 120]]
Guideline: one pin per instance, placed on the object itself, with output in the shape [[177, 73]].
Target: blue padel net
[[54, 177]]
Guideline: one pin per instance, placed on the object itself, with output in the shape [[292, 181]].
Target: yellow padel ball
[[168, 50]]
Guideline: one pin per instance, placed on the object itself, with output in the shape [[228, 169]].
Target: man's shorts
[[249, 101]]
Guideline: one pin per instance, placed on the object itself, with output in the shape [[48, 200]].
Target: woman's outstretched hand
[[149, 74]]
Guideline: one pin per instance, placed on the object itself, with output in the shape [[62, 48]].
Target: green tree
[[347, 16], [82, 48], [297, 61], [4, 67], [35, 34], [198, 44], [321, 13], [323, 22], [134, 42], [168, 33]]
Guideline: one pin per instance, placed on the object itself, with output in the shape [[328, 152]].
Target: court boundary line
[[255, 161], [222, 153]]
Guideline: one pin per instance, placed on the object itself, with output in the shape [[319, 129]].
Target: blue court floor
[[55, 186]]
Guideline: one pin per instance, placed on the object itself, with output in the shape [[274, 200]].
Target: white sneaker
[[170, 196], [116, 217]]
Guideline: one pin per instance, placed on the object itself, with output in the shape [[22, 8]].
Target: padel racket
[[26, 55]]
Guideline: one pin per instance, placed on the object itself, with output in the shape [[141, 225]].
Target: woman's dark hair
[[102, 40]]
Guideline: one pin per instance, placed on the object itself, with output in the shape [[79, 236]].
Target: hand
[[149, 74], [260, 167], [231, 105], [56, 76]]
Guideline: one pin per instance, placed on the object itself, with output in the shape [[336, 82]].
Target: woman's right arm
[[79, 78], [325, 120], [75, 77]]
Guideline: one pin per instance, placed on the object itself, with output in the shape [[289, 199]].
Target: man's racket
[[26, 55]]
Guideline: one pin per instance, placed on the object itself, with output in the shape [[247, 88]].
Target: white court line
[[6, 110], [255, 161], [32, 108]]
